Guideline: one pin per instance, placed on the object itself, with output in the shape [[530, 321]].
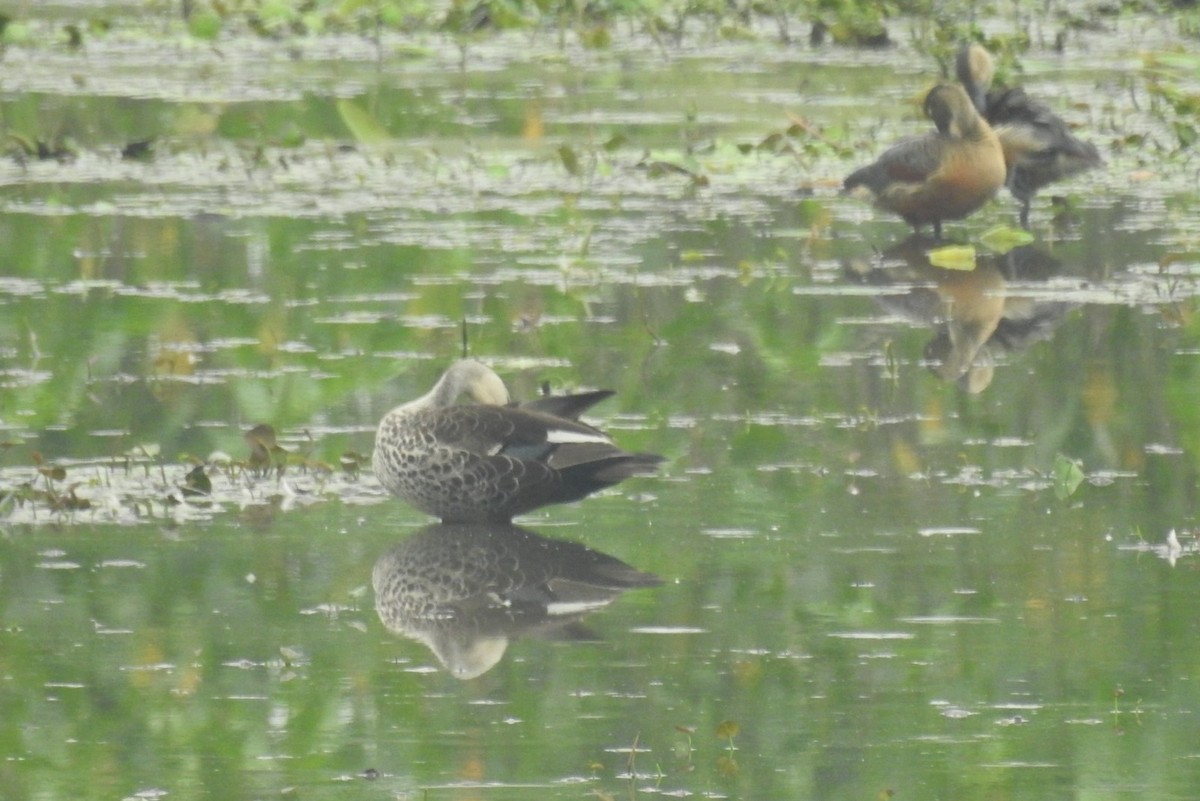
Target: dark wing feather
[[515, 432], [476, 429], [1047, 135], [567, 406], [910, 160], [1013, 106]]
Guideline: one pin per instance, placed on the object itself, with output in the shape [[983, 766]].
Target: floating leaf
[[276, 13], [953, 257], [1068, 475], [16, 32], [204, 25], [53, 472], [292, 135], [683, 750], [615, 142], [74, 36], [727, 730], [1184, 61], [138, 150], [197, 482], [362, 125], [570, 160], [1004, 238], [595, 37], [657, 169], [392, 15], [1185, 133], [25, 143], [773, 143]]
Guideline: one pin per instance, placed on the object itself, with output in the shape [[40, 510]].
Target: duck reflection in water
[[466, 590], [976, 314]]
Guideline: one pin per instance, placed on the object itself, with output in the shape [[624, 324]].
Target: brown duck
[[1039, 148], [943, 175]]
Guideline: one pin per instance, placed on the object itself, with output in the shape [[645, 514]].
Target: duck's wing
[[530, 437], [510, 431], [494, 462], [910, 160], [567, 406], [1015, 106], [1038, 132]]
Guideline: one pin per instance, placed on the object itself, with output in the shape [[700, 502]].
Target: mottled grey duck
[[467, 590], [1039, 148], [492, 460], [945, 174]]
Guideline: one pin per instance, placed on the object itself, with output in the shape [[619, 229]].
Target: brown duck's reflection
[[976, 314], [466, 590]]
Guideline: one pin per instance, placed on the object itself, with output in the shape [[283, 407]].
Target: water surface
[[874, 579]]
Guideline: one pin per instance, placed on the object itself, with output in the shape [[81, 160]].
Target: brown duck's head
[[950, 109], [975, 69]]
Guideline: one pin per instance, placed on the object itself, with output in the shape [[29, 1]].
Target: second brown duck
[[943, 175], [1039, 148]]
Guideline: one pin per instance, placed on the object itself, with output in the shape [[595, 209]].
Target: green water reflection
[[869, 582], [237, 660]]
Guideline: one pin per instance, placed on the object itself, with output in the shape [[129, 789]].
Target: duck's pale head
[[466, 377]]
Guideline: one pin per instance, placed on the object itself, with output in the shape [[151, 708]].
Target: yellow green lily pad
[[953, 257], [1004, 238], [362, 124]]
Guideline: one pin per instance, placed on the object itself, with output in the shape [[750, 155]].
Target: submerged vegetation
[[935, 29], [933, 24], [143, 486]]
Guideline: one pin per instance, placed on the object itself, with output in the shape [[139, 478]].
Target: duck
[[977, 316], [946, 174], [1039, 148], [467, 590], [492, 460]]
